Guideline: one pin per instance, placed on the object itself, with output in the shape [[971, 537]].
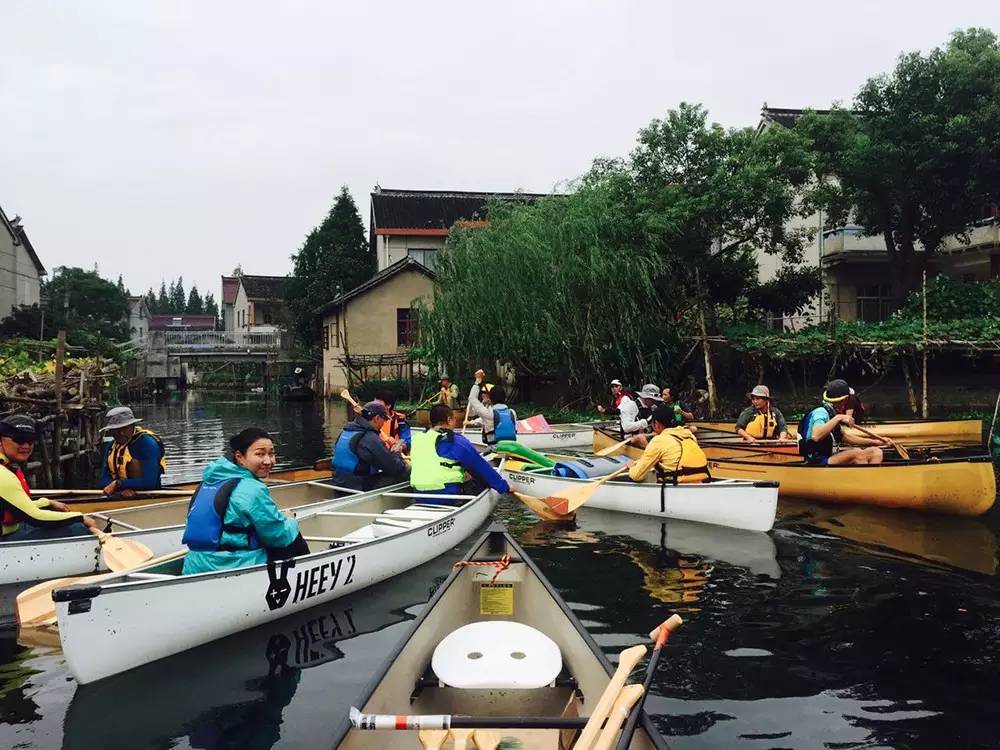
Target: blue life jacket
[[814, 449], [597, 466], [345, 455], [206, 519], [504, 427]]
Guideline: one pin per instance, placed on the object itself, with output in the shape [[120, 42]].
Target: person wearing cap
[[634, 418], [618, 393], [674, 452], [23, 517], [760, 420], [135, 460], [489, 404], [821, 433], [361, 460], [448, 394], [441, 458]]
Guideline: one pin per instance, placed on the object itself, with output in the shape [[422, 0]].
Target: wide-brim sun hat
[[651, 391], [760, 391], [120, 416]]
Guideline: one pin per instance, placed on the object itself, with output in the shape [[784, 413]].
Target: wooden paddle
[[486, 739], [627, 698], [903, 453], [659, 636], [540, 509], [121, 554], [139, 494], [433, 739], [35, 606], [461, 738], [577, 496], [612, 449], [626, 663], [346, 395]]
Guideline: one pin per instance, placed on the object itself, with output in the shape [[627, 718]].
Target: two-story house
[[20, 269], [139, 318], [259, 305]]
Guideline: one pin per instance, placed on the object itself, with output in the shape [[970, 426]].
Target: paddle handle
[[628, 697], [626, 663], [903, 453], [613, 448], [346, 395], [665, 628]]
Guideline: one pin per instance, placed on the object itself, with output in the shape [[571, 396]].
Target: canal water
[[843, 628]]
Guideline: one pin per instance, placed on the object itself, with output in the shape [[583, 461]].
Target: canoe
[[252, 675], [750, 505], [561, 436], [146, 614], [422, 417], [912, 430], [160, 527], [428, 672], [91, 501], [958, 485]]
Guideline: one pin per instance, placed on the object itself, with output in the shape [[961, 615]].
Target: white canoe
[[739, 504], [160, 527], [561, 436], [147, 614]]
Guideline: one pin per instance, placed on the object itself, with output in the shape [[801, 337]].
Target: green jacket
[[250, 505]]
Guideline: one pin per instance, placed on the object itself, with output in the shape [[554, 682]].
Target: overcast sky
[[162, 138]]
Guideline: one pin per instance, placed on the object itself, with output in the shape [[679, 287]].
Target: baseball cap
[[18, 426], [616, 381], [836, 390], [374, 409]]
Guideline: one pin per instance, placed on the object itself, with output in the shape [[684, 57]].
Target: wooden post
[[910, 393], [60, 361], [924, 404], [713, 402]]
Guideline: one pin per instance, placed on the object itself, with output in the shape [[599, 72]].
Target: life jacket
[[345, 455], [391, 427], [504, 427], [430, 471], [763, 426], [206, 519], [817, 449], [622, 394], [585, 468], [692, 466], [121, 465], [10, 516]]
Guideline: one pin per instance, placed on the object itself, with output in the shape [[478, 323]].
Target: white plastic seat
[[422, 515], [497, 655]]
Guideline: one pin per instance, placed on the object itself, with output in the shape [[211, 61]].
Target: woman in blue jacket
[[232, 521]]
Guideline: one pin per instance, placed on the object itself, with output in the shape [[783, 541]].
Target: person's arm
[[147, 452], [34, 510], [851, 438], [372, 450], [477, 407], [649, 458], [405, 436], [688, 416], [820, 429], [741, 422], [273, 528], [461, 450], [630, 423]]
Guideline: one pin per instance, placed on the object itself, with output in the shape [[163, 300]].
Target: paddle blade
[[540, 509], [35, 605], [121, 554]]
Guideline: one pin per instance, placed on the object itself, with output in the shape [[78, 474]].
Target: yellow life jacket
[[121, 464], [692, 466], [763, 426]]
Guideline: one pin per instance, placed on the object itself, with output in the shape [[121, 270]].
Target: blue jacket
[[456, 447], [147, 451], [250, 505], [389, 467]]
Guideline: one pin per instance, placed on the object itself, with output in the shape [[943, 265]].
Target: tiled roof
[[433, 209], [264, 287], [230, 285], [383, 275], [182, 322]]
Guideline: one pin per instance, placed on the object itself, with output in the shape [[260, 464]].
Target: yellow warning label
[[496, 599]]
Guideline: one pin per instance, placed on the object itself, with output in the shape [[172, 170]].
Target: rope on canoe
[[501, 565]]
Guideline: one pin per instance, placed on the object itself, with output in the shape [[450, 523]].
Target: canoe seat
[[497, 655], [416, 513]]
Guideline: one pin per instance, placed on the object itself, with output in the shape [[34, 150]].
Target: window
[[326, 337], [426, 257], [874, 302], [407, 326]]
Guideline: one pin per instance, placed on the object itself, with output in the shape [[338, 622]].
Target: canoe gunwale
[[474, 554]]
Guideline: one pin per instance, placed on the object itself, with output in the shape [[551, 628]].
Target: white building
[[20, 269]]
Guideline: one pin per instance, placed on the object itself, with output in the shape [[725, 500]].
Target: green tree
[[194, 306], [121, 285], [178, 300], [163, 300], [917, 158], [211, 306], [93, 311], [334, 258]]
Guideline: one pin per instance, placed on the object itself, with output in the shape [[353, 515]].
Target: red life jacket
[[9, 517]]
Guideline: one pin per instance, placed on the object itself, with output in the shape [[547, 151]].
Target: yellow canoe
[[916, 430], [959, 486]]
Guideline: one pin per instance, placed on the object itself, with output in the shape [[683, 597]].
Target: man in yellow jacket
[[673, 452], [24, 518]]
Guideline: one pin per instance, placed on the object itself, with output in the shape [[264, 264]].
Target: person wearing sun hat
[[760, 420], [821, 433], [635, 416], [135, 460]]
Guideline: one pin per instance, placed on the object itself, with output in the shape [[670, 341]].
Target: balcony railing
[[210, 341]]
